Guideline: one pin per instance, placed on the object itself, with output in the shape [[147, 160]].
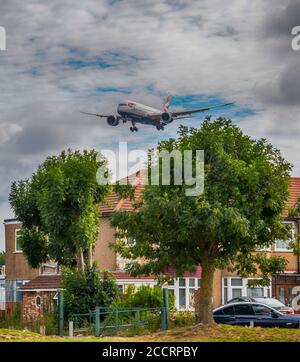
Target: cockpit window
[[122, 104]]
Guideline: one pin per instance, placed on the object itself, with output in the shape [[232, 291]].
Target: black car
[[257, 314]]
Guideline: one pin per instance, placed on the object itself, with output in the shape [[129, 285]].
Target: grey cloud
[[282, 19]]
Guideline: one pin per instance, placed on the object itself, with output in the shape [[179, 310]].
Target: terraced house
[[36, 286]]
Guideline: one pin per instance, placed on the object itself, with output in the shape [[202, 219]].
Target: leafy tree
[[240, 211], [144, 297], [2, 258], [83, 291], [59, 209]]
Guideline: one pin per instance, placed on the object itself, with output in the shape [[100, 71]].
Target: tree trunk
[[204, 306], [80, 260], [90, 256]]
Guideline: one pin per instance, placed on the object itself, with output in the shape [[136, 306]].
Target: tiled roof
[[119, 274], [294, 189], [115, 204], [43, 282]]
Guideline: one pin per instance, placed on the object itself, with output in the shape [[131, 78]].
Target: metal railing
[[112, 320]]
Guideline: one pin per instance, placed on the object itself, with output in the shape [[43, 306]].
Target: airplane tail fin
[[167, 103]]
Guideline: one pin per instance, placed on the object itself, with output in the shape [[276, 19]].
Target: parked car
[[271, 302], [261, 315]]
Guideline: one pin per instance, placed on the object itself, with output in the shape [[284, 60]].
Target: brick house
[[226, 285]]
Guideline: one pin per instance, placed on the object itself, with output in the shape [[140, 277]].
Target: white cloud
[[60, 52]]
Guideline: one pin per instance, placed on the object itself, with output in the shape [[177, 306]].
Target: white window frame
[[17, 251], [267, 291], [187, 288], [286, 250]]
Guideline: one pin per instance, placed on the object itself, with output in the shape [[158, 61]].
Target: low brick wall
[[31, 311]]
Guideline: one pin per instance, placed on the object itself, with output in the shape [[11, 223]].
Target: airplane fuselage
[[137, 112]]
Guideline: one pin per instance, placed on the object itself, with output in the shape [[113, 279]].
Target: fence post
[[166, 306], [71, 329], [165, 310], [60, 313], [97, 322]]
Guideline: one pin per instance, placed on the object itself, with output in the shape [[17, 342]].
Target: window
[[228, 310], [255, 292], [243, 309], [283, 245], [236, 282], [38, 301], [261, 310], [236, 292], [182, 302], [234, 287], [184, 291], [19, 294], [18, 246]]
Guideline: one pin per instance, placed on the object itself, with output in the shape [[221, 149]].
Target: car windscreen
[[274, 303]]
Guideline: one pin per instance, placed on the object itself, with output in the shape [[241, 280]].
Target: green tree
[[143, 297], [240, 211], [2, 258], [59, 209], [83, 291]]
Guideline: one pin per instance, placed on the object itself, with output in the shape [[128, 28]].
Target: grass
[[196, 333]]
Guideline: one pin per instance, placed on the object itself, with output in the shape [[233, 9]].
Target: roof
[[11, 221], [120, 275], [294, 189], [114, 203], [43, 282]]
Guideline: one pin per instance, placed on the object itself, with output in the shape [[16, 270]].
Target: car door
[[225, 315], [244, 314], [264, 316], [267, 317]]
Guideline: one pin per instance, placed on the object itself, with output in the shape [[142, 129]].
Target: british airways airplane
[[139, 113]]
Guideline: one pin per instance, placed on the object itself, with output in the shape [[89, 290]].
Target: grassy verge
[[196, 333]]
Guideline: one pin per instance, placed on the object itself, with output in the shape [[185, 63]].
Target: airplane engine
[[112, 121], [166, 117]]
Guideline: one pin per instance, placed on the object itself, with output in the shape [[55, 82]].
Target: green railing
[[112, 320]]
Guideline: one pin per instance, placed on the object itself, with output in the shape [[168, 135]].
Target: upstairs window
[[18, 245], [283, 245]]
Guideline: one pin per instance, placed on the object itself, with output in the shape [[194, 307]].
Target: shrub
[[83, 291], [182, 318], [13, 320], [143, 297]]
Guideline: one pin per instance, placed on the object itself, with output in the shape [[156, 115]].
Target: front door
[[284, 294]]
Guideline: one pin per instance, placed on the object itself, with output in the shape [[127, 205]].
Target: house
[[20, 278]]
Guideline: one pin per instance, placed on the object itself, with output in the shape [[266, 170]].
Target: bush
[[182, 318], [83, 291], [13, 320], [143, 297]]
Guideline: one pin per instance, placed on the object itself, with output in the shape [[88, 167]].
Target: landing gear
[[160, 127], [132, 129]]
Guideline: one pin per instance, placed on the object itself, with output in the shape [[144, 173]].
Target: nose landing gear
[[132, 129]]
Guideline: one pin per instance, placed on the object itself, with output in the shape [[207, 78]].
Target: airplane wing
[[191, 111], [185, 114], [96, 114]]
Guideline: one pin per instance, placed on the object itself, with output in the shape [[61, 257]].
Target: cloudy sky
[[68, 55]]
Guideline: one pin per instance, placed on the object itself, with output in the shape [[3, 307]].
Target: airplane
[[135, 112]]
